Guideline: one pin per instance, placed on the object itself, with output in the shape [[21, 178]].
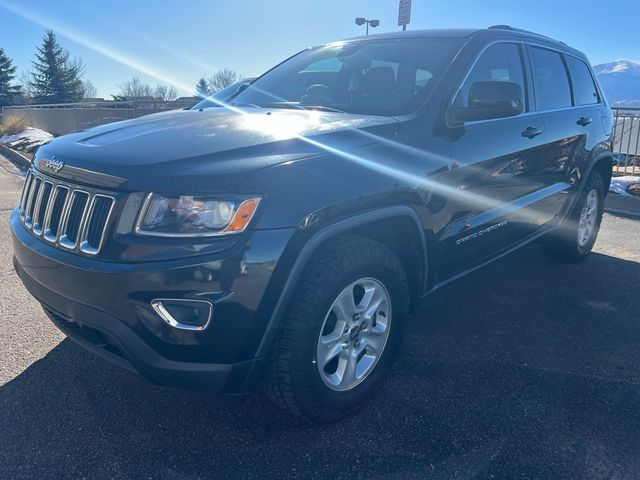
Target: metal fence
[[626, 140], [60, 119]]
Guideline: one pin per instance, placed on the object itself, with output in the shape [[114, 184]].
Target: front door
[[499, 186]]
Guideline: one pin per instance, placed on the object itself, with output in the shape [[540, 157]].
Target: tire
[[299, 378], [568, 243]]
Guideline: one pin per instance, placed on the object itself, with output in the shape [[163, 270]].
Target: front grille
[[63, 214]]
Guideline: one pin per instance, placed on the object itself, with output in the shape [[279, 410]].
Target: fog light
[[184, 314]]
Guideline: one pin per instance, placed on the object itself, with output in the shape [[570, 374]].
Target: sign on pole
[[404, 13]]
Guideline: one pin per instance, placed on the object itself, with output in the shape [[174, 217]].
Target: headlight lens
[[193, 216]]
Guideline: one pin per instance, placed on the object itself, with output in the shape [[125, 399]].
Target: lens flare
[[285, 129]]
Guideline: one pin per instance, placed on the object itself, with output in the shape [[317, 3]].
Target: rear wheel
[[573, 241], [340, 335]]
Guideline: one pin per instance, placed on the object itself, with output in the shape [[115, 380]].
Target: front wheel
[[341, 332], [573, 241]]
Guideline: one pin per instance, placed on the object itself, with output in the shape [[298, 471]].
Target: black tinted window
[[499, 62], [584, 89], [550, 79]]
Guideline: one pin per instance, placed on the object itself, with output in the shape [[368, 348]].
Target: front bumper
[[106, 307]]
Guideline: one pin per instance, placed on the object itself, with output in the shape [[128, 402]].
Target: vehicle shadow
[[524, 369]]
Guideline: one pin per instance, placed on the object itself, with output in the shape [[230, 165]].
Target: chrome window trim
[[587, 63], [593, 79], [561, 53], [468, 73], [526, 43], [84, 247], [531, 114]]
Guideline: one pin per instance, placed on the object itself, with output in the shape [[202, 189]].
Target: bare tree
[[165, 93], [26, 92], [90, 90], [134, 88], [223, 78]]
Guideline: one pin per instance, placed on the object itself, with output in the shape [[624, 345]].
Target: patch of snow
[[618, 67], [30, 135], [620, 185]]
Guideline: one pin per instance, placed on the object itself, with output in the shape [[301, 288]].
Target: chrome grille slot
[[41, 207], [68, 217], [31, 201], [25, 193], [93, 231], [54, 214], [73, 218]]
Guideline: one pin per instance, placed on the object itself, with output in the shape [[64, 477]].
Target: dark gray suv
[[284, 237]]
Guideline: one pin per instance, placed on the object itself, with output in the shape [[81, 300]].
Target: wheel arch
[[363, 225], [603, 163]]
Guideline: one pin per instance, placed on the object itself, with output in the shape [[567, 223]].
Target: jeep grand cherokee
[[283, 237]]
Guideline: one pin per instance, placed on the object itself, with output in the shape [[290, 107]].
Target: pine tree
[[55, 78], [202, 88], [8, 93]]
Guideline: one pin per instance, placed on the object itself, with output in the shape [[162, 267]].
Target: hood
[[203, 150]]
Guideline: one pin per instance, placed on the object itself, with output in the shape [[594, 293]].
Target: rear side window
[[502, 62], [550, 79], [584, 88]]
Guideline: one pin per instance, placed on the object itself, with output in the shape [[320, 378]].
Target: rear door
[[566, 124], [495, 181], [585, 118]]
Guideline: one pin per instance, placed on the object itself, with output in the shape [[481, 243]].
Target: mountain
[[620, 81]]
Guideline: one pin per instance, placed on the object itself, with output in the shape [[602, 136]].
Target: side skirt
[[534, 236]]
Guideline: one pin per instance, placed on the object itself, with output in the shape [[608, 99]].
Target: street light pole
[[373, 22]]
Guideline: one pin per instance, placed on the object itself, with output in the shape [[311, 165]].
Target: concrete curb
[[623, 205], [15, 157]]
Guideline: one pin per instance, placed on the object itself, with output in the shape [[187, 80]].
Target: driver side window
[[500, 62]]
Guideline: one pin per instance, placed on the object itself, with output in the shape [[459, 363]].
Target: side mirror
[[490, 99], [242, 88]]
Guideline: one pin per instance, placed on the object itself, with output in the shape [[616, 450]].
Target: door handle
[[531, 132], [584, 121]]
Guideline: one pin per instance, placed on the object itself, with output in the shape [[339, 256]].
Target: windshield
[[379, 77], [222, 95]]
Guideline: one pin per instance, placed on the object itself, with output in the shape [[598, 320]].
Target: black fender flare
[[596, 160], [314, 243], [579, 184]]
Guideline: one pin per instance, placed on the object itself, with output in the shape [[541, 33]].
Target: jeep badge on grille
[[53, 164]]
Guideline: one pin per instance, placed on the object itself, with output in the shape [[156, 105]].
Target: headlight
[[194, 216]]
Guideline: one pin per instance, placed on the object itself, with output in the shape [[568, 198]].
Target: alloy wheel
[[354, 334], [587, 223]]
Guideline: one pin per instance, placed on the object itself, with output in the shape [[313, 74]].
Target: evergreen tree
[[8, 93], [202, 88], [55, 79]]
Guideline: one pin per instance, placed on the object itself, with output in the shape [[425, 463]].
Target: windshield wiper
[[297, 106], [321, 108], [234, 104]]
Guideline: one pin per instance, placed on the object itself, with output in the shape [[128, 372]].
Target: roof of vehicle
[[457, 32], [443, 32], [469, 32]]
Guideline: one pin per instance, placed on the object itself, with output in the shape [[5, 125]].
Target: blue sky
[[179, 41]]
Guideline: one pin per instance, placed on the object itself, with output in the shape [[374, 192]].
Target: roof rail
[[521, 30]]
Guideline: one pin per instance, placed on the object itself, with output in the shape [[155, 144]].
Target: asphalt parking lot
[[524, 369]]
